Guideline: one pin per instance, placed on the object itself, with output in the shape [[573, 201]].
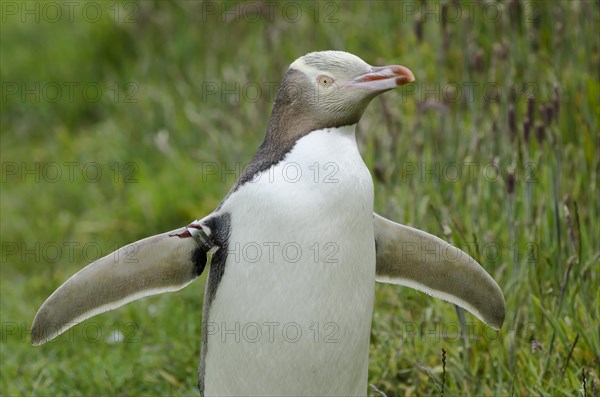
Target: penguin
[[293, 252]]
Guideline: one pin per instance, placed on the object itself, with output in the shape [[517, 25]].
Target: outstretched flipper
[[416, 259], [162, 263]]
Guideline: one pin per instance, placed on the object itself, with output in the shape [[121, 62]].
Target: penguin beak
[[383, 78]]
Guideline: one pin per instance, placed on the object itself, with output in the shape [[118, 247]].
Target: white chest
[[292, 313]]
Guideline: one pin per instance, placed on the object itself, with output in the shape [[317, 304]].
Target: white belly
[[292, 313]]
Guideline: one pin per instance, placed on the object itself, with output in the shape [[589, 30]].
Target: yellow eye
[[324, 81]]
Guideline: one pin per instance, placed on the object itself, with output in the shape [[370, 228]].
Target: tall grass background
[[494, 148]]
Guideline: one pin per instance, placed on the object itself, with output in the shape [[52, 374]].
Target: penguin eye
[[324, 81]]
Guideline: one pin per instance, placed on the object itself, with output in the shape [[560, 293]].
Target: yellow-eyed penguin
[[294, 251]]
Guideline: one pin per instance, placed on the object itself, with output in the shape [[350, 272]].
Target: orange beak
[[383, 78]]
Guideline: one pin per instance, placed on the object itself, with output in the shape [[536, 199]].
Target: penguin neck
[[297, 112], [270, 153], [292, 116]]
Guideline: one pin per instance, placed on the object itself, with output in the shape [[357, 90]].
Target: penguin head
[[329, 89]]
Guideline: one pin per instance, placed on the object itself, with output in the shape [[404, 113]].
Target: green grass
[[154, 128]]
